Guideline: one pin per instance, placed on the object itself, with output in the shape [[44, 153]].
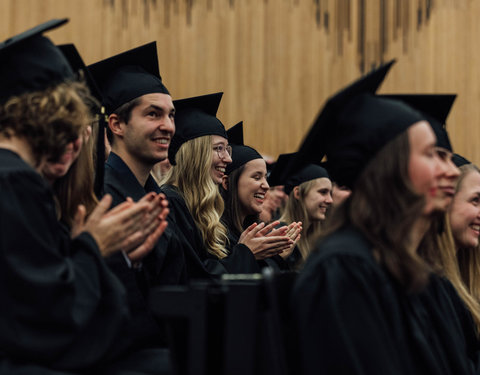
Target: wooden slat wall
[[278, 60]]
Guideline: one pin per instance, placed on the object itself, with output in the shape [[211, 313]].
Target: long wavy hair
[[443, 260], [469, 258], [295, 210], [384, 207], [48, 120], [191, 175]]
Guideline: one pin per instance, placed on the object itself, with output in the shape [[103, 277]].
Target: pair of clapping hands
[[265, 241], [132, 227]]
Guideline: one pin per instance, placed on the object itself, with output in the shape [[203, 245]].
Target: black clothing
[[200, 263], [62, 307], [163, 265], [353, 317]]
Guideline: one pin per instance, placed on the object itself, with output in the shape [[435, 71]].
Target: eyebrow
[[156, 107]]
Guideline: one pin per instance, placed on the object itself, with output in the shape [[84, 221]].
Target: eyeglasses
[[223, 151]]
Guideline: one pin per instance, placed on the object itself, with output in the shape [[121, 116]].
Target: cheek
[[421, 173]]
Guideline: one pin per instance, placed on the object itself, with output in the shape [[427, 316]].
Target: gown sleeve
[[56, 294]]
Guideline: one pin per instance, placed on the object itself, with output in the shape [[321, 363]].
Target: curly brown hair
[[48, 120]]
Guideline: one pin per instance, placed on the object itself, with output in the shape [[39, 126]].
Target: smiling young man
[[140, 127]]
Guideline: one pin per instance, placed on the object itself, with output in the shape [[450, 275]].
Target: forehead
[[471, 182], [256, 165], [217, 139], [322, 183], [421, 135], [163, 101]]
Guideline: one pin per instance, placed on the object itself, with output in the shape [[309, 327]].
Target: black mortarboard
[[353, 126], [235, 134], [128, 76], [241, 154], [77, 64], [459, 160], [31, 62], [307, 173], [312, 149], [195, 117], [436, 108]]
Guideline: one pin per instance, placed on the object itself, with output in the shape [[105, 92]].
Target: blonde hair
[[192, 176], [469, 258], [295, 210], [444, 262]]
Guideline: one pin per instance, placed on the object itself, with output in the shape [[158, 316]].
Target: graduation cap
[[31, 62], [241, 154], [235, 134], [195, 117], [459, 160], [128, 75], [306, 173], [353, 126], [436, 108], [77, 64]]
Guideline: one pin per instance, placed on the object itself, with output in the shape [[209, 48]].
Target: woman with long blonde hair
[[309, 199], [199, 154]]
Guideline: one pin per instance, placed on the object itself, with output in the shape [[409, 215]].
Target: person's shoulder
[[345, 242], [173, 194]]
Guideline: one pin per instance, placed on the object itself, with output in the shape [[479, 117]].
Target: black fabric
[[57, 293], [162, 266], [241, 155], [195, 117], [459, 160], [200, 263], [436, 107], [128, 76], [353, 318], [282, 175], [235, 134], [30, 62]]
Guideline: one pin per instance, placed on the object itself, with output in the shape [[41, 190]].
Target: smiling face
[[252, 187], [318, 199], [465, 212], [151, 126], [220, 158]]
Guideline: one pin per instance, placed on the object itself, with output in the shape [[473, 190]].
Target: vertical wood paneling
[[278, 60]]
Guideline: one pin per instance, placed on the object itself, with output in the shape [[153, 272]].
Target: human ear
[[225, 182], [115, 125], [296, 192]]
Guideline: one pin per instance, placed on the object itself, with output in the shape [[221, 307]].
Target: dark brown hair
[[232, 215], [124, 113], [384, 207], [48, 120]]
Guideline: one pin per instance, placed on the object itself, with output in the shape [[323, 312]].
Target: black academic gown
[[62, 308], [353, 318], [163, 265], [200, 263]]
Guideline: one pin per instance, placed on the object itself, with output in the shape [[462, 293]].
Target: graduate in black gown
[[309, 198], [64, 311], [244, 188], [199, 153], [140, 126], [366, 302]]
